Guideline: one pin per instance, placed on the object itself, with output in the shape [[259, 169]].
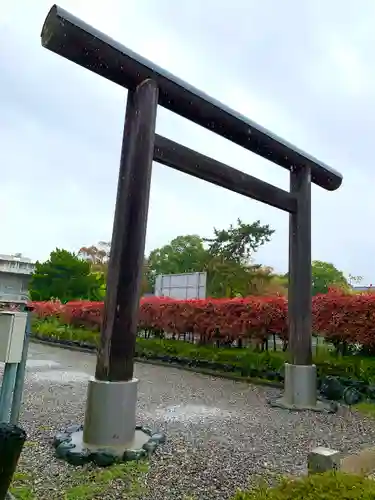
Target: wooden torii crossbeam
[[149, 86]]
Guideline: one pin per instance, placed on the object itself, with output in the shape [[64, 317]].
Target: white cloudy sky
[[302, 69]]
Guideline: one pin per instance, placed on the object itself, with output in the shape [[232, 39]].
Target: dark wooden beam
[[69, 37], [300, 279], [190, 162], [115, 361]]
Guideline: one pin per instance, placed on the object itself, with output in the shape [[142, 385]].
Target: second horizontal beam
[[190, 162]]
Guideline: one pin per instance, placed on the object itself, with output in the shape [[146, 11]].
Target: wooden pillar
[[300, 279], [115, 361]]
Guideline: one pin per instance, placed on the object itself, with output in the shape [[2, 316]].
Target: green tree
[[238, 243], [64, 276], [326, 275], [147, 280], [231, 279], [184, 254], [355, 280], [97, 256], [230, 272], [226, 259]]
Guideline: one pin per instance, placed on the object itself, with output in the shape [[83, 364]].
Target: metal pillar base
[[300, 391], [110, 415], [109, 434]]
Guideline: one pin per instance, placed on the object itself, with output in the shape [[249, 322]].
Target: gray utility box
[[12, 335]]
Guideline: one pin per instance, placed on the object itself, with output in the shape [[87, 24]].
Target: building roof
[[17, 257]]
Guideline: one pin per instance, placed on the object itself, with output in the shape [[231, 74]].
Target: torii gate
[[110, 419]]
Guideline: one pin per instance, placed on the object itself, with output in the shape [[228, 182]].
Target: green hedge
[[353, 367], [243, 361], [328, 486]]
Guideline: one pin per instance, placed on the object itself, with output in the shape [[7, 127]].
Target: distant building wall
[[181, 286], [15, 275]]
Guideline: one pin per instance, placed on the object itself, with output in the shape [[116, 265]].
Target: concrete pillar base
[[300, 391], [300, 385], [109, 434], [110, 417]]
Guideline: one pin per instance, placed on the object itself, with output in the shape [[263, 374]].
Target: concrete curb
[[201, 371]]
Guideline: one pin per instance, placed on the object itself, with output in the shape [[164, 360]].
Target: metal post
[[7, 386], [12, 439], [20, 376], [110, 418]]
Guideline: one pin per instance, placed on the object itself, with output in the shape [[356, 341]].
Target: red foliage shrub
[[346, 318], [337, 316], [52, 308], [254, 317], [83, 314]]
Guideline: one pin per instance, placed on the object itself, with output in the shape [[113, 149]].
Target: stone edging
[[201, 371], [69, 446]]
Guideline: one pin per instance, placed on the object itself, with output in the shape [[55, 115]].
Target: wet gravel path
[[220, 433]]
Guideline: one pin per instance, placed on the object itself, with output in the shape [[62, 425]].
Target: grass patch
[[83, 483], [328, 486], [95, 483], [366, 408], [21, 486]]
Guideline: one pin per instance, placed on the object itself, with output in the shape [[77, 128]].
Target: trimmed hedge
[[343, 319], [328, 486], [245, 362]]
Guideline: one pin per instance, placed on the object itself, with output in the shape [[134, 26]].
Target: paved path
[[220, 432]]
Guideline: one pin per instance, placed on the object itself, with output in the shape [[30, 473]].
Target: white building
[[15, 274]]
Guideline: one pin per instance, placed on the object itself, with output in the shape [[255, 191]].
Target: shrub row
[[337, 317], [244, 362], [328, 486]]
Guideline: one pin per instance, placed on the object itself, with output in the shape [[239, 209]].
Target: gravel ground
[[220, 434]]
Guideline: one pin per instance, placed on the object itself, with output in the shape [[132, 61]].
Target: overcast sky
[[302, 69]]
